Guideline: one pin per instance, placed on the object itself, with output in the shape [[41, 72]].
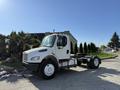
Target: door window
[[62, 41]]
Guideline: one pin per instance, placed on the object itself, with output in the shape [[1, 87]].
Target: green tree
[[2, 46], [115, 41], [23, 43], [18, 42], [13, 44], [93, 48], [76, 49], [71, 46], [102, 47], [89, 48], [81, 48], [35, 42], [85, 48]]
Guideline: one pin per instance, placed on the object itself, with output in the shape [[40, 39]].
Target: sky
[[88, 20]]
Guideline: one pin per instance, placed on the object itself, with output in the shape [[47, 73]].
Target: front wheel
[[94, 63], [48, 69]]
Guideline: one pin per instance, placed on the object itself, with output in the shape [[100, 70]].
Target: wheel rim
[[96, 62], [49, 70]]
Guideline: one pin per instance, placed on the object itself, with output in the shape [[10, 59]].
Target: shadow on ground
[[73, 80], [79, 80]]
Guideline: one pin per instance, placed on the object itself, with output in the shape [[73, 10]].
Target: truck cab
[[55, 53], [54, 45]]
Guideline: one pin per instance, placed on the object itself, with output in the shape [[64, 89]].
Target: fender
[[52, 58]]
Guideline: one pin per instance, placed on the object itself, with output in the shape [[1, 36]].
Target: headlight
[[35, 58]]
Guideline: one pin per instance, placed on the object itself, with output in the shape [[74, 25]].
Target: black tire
[[42, 69], [92, 64]]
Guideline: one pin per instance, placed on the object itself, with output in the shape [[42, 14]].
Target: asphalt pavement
[[107, 77]]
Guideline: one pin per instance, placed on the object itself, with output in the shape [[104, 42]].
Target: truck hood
[[40, 49]]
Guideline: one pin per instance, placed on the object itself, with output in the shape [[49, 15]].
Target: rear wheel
[[94, 63], [48, 69]]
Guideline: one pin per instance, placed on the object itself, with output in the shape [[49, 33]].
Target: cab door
[[63, 47]]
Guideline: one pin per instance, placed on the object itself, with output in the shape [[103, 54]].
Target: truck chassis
[[92, 62]]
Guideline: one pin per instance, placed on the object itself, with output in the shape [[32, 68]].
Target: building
[[109, 50]]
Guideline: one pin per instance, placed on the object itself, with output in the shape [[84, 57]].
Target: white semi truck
[[54, 54]]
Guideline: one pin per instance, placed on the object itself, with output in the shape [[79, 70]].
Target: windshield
[[48, 41]]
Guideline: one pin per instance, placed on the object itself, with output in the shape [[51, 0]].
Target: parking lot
[[107, 77]]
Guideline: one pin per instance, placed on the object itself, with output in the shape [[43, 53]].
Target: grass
[[104, 55]]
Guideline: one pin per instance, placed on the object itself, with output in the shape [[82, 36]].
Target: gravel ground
[[107, 77]]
